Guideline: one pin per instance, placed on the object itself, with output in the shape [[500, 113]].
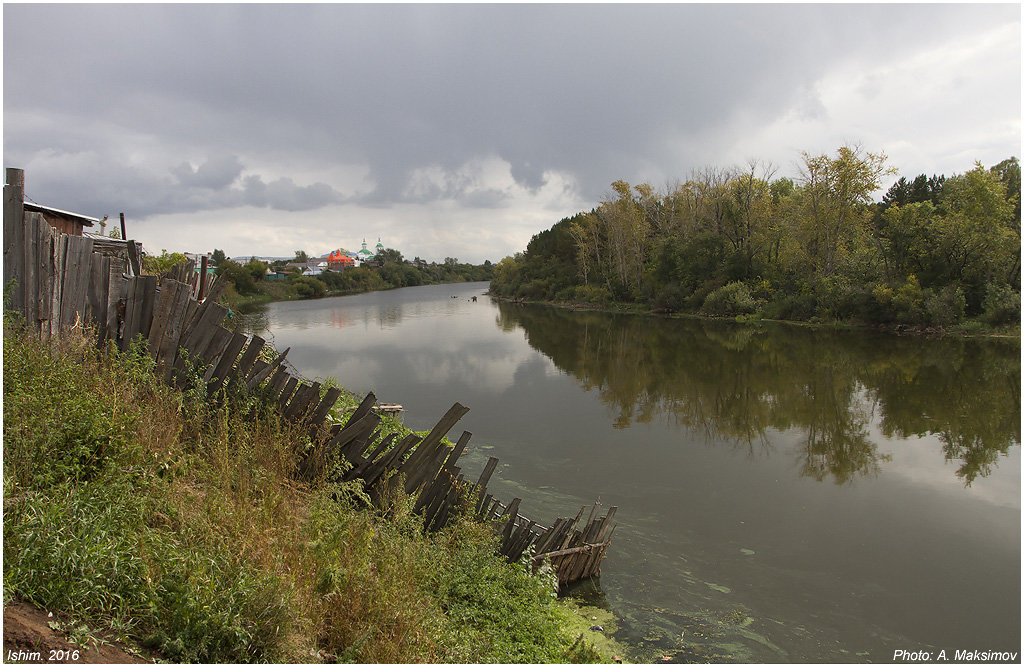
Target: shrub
[[672, 297], [1001, 305], [307, 287], [946, 306], [730, 300]]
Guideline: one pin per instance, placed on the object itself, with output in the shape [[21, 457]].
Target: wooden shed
[[64, 221]]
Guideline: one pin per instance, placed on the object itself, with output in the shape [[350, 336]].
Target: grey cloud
[[216, 173], [590, 90]]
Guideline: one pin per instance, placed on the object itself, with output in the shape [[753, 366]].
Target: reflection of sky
[[921, 461], [879, 559]]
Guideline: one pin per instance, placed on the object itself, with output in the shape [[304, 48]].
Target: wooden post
[[202, 279], [14, 235]]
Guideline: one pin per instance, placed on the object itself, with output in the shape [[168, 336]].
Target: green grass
[[177, 523]]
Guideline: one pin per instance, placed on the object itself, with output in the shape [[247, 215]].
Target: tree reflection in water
[[736, 382]]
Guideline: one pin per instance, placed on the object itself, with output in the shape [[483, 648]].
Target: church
[[341, 259]]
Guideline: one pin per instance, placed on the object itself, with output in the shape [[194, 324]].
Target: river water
[[785, 494]]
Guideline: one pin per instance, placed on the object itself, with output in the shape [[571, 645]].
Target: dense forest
[[936, 251]]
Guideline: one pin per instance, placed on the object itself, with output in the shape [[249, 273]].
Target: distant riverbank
[[967, 328]]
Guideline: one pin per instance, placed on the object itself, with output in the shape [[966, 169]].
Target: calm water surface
[[785, 494]]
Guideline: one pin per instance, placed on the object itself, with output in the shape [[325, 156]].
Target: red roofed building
[[339, 259]]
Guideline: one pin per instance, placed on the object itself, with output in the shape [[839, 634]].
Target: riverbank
[[159, 518], [968, 328]]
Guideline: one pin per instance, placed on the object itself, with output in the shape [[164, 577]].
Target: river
[[785, 494]]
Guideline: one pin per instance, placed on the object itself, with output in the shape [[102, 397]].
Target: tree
[[301, 257], [837, 191], [390, 256], [217, 256]]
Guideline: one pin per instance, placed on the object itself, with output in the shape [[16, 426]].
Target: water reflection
[[738, 382]]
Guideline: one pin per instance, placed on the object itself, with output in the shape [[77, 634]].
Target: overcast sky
[[462, 130]]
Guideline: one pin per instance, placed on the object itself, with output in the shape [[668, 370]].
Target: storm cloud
[[404, 121]]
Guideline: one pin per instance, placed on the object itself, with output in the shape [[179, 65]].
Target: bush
[[1001, 305], [946, 306], [307, 287], [672, 298], [730, 300]]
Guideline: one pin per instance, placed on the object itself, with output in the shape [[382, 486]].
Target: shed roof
[[39, 208]]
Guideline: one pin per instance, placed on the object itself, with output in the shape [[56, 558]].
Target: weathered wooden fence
[[57, 282]]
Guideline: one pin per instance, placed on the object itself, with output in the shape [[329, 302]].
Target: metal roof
[[39, 208]]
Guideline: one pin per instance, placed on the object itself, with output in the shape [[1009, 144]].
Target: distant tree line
[[389, 270], [740, 242]]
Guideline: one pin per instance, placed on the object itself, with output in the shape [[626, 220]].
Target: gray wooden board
[[328, 401], [132, 311], [77, 261], [353, 431], [29, 271], [286, 393], [304, 395], [97, 302], [364, 408], [172, 329], [14, 242], [249, 357], [60, 248], [115, 287], [227, 360], [44, 278], [148, 301], [161, 315], [256, 377]]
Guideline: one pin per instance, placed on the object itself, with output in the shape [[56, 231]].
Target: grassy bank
[[177, 524]]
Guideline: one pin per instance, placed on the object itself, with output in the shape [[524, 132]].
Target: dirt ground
[[29, 638]]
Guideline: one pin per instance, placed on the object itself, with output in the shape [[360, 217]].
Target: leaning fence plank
[[250, 355], [328, 401], [227, 361], [257, 377]]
